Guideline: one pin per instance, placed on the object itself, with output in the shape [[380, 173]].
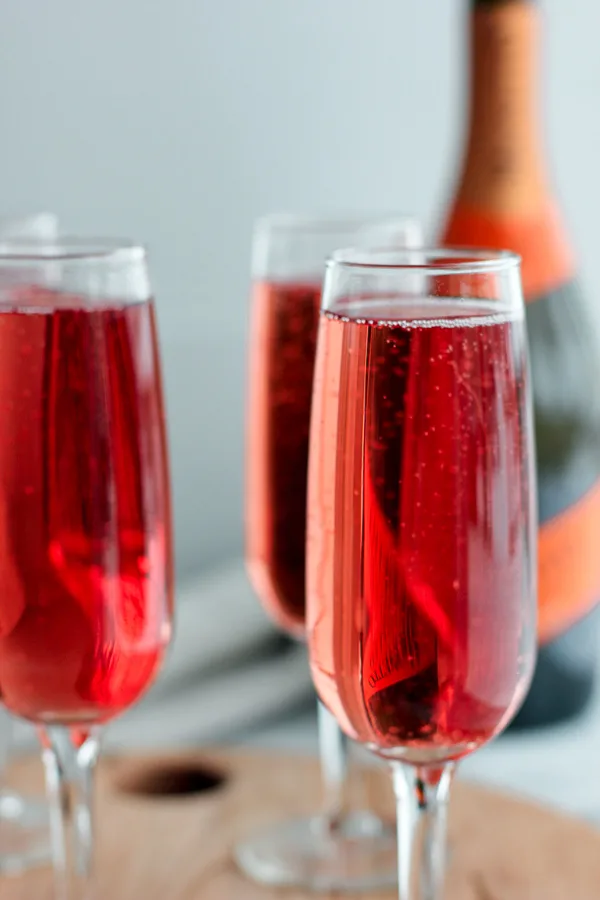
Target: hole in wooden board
[[171, 780]]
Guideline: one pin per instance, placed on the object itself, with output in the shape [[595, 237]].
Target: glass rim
[[69, 249], [438, 260], [315, 223]]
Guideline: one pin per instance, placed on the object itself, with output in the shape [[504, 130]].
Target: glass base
[[359, 856], [24, 833]]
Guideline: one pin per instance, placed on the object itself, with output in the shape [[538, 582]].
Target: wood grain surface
[[154, 845]]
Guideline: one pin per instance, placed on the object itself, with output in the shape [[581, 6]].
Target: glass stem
[[333, 751], [69, 759], [422, 795]]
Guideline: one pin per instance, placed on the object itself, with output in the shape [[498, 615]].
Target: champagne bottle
[[504, 199]]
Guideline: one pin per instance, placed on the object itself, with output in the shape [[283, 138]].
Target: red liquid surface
[[85, 557], [420, 618], [283, 338]]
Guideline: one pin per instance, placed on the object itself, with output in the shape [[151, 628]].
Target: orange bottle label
[[547, 261], [569, 565]]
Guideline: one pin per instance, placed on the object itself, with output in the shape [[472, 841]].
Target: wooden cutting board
[[154, 844]]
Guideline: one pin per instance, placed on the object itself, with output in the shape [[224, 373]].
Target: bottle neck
[[504, 198], [504, 163]]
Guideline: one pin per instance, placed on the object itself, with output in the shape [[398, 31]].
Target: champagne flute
[[85, 569], [338, 849], [421, 549]]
